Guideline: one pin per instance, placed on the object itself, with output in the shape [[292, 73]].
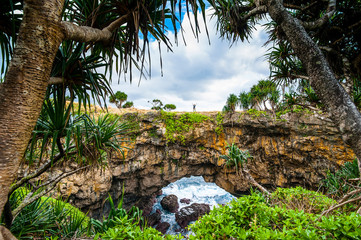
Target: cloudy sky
[[199, 73]]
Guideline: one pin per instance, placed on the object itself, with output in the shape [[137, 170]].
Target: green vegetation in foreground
[[289, 214], [49, 218], [177, 125]]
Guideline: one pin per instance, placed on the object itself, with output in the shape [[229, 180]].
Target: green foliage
[[219, 122], [118, 98], [46, 217], [128, 104], [245, 99], [256, 113], [236, 157], [252, 217], [121, 224], [337, 184], [80, 74], [177, 125], [232, 103], [156, 104], [169, 107], [299, 198], [126, 229]]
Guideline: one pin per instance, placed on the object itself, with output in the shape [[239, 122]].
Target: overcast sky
[[200, 73]]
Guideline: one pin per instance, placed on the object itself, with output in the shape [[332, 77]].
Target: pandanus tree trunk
[[339, 105], [24, 88]]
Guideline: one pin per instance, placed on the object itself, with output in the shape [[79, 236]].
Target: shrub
[[178, 125], [301, 199], [253, 217], [336, 184], [169, 107], [46, 217]]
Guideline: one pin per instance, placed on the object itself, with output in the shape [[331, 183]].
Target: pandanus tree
[[62, 42], [307, 27], [232, 103]]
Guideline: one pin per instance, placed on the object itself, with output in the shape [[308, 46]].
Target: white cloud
[[200, 73]]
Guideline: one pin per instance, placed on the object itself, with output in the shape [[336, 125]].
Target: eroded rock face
[[296, 150], [170, 203], [191, 213]]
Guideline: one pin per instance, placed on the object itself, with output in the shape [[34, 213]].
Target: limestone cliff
[[294, 150]]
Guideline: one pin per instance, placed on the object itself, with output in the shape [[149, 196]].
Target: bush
[[253, 217], [336, 184], [301, 199], [178, 125], [46, 217]]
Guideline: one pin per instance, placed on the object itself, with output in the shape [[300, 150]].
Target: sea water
[[195, 189]]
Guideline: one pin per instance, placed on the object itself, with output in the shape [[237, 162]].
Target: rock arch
[[294, 151]]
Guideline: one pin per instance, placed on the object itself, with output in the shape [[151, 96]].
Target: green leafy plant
[[256, 113], [128, 105], [219, 122], [169, 107], [118, 98], [236, 157], [156, 104], [301, 199], [177, 125], [46, 217], [337, 184], [255, 217]]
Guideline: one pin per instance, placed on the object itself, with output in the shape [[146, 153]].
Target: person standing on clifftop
[[194, 107]]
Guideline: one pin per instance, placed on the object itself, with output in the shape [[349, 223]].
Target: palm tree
[[62, 137], [232, 102], [245, 100], [105, 32]]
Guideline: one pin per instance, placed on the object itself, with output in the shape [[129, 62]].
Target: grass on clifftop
[[177, 125]]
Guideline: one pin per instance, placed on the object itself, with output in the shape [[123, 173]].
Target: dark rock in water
[[185, 200], [146, 205], [160, 192], [158, 211], [170, 203], [191, 213], [163, 227], [153, 219]]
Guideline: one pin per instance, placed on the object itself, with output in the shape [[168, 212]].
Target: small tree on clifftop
[[118, 98]]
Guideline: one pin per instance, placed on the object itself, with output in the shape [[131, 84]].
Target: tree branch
[[50, 184], [89, 34], [253, 182], [258, 10], [39, 171], [321, 21], [346, 67], [56, 80], [339, 205]]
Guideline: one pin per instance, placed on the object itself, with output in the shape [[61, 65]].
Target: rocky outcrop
[[185, 200], [295, 150], [163, 227], [153, 219], [191, 213], [170, 203]]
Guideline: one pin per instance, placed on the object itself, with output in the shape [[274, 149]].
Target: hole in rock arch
[[195, 189]]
